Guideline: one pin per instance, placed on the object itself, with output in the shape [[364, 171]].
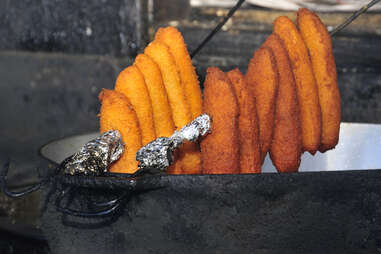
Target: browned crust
[[189, 154], [162, 114], [220, 148], [131, 83], [286, 145], [250, 150], [319, 45], [306, 87], [175, 41], [263, 80], [117, 113]]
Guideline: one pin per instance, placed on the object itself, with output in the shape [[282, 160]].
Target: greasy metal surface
[[311, 212], [359, 148]]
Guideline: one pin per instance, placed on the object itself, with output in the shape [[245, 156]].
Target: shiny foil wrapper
[[95, 157], [158, 154]]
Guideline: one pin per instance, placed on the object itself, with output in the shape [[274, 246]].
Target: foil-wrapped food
[[95, 157]]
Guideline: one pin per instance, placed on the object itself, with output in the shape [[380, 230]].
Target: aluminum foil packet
[[158, 154], [95, 156]]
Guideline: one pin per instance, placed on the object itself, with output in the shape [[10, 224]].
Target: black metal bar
[[353, 17], [218, 27]]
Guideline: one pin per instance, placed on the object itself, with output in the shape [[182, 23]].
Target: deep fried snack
[[171, 37], [175, 41], [117, 113], [286, 146], [319, 45], [263, 80], [160, 53], [306, 87], [250, 150], [130, 82], [220, 148], [162, 114]]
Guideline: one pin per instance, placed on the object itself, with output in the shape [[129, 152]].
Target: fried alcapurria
[[250, 150], [286, 146], [220, 148], [319, 45], [117, 113], [171, 37], [263, 80], [181, 112], [131, 83], [310, 112]]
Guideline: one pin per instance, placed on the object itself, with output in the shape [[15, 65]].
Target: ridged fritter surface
[[306, 87], [162, 114], [286, 146], [220, 148], [175, 41], [318, 42], [130, 82], [263, 80], [250, 150], [160, 53], [117, 113]]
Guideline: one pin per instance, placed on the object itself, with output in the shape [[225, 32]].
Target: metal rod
[[218, 27], [353, 17]]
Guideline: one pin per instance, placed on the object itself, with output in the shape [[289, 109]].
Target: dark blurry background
[[56, 56]]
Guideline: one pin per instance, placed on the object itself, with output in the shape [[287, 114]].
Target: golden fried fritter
[[131, 83], [162, 114], [286, 146], [220, 148], [171, 37], [262, 78], [319, 45], [117, 113], [306, 87], [160, 53], [175, 41], [250, 150]]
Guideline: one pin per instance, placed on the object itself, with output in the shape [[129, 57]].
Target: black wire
[[353, 17], [12, 194], [218, 27]]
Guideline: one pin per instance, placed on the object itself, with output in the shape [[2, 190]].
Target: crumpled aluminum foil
[[95, 157], [158, 154]]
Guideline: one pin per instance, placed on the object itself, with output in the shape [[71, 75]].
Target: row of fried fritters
[[287, 103], [152, 98]]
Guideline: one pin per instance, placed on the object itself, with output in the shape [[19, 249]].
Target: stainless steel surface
[[359, 148]]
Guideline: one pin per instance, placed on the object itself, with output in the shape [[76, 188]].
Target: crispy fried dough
[[171, 37], [319, 45], [286, 146], [175, 41], [220, 148], [117, 113], [162, 114], [306, 87], [131, 83], [160, 53], [263, 80], [250, 150]]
